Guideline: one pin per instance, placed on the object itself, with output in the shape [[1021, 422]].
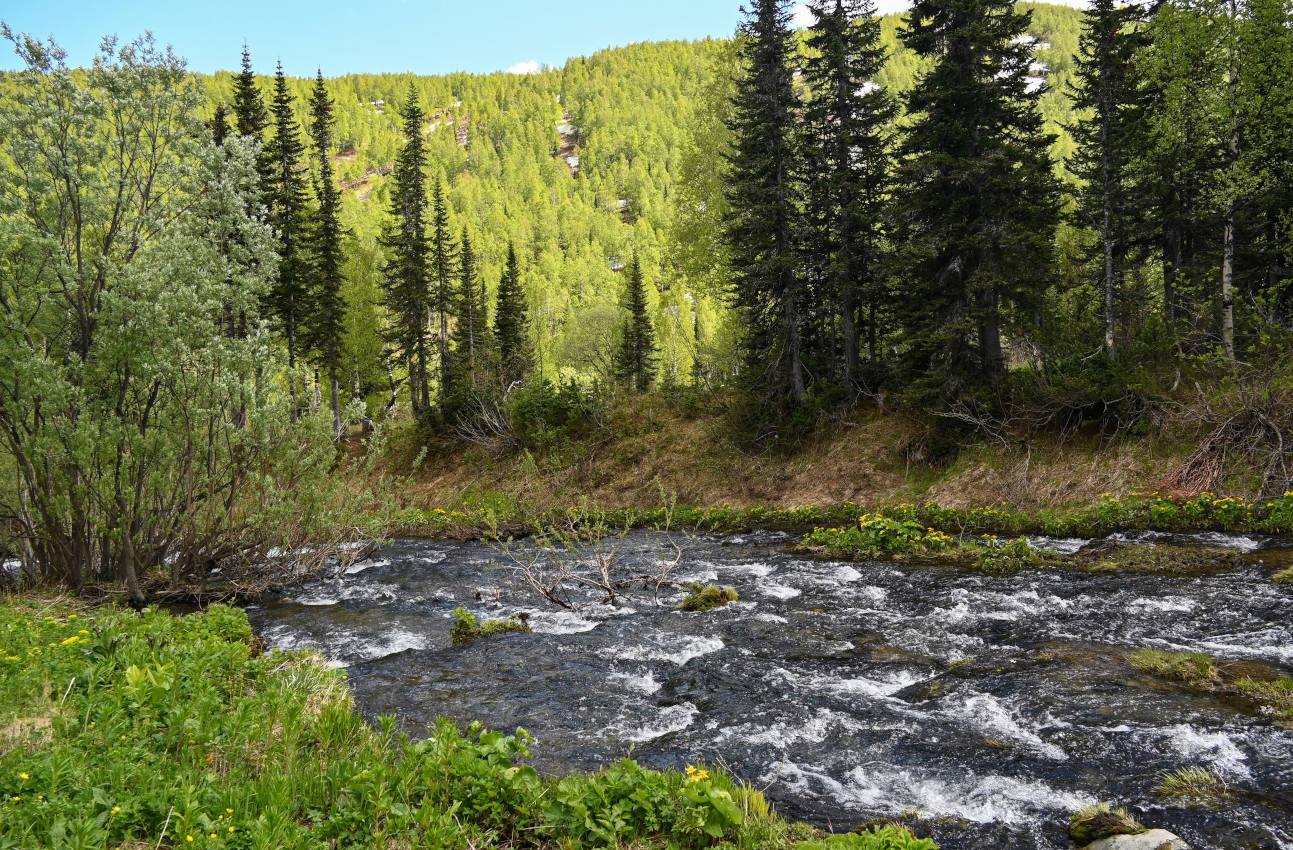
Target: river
[[991, 704]]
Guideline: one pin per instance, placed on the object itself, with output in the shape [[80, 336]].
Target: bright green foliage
[[635, 353], [702, 597], [878, 536], [466, 628], [976, 197], [125, 728], [882, 838], [132, 423]]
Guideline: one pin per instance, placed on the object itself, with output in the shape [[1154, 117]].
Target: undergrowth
[[142, 729]]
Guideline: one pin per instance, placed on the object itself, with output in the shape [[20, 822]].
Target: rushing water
[[993, 704]]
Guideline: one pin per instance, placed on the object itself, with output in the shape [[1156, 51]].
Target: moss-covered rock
[[1101, 821], [467, 628], [704, 597]]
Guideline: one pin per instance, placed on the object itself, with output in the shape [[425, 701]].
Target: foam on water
[[1215, 748], [643, 683], [560, 623], [667, 647], [361, 566], [343, 647], [779, 591], [672, 718], [1058, 545], [993, 719]]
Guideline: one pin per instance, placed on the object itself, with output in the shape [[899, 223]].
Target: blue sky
[[424, 36]]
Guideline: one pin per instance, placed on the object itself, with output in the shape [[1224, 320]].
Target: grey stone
[[1155, 839]]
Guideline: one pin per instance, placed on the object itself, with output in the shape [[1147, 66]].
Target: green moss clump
[[704, 597], [1192, 668], [1101, 821], [466, 628], [883, 838], [1194, 786], [1283, 576]]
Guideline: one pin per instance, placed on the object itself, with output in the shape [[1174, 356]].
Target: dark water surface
[[995, 704]]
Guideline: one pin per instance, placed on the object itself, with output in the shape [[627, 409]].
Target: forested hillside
[[503, 143]]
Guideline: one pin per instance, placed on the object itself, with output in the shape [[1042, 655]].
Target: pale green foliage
[[139, 405]]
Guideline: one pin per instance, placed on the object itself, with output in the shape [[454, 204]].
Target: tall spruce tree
[[763, 192], [1181, 156], [846, 147], [251, 119], [443, 259], [287, 198], [326, 307], [977, 202], [1108, 90], [636, 351], [512, 325], [405, 274]]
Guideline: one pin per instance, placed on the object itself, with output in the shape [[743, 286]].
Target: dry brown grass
[[651, 453]]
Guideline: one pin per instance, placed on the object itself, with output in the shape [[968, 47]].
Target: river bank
[[128, 729]]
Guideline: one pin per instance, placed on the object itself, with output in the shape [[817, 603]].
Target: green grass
[[1193, 786], [1192, 668], [123, 729]]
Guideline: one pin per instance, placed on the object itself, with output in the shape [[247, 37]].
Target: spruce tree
[[512, 325], [251, 119], [442, 280], [326, 308], [219, 125], [636, 352], [977, 202], [763, 194], [1109, 91], [287, 200], [846, 130], [405, 278]]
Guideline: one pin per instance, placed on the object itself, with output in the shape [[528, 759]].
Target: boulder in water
[[1155, 839]]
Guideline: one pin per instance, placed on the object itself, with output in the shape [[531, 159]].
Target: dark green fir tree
[[512, 325], [635, 351], [405, 274], [326, 307], [1109, 93], [847, 126], [763, 194], [977, 202], [287, 198]]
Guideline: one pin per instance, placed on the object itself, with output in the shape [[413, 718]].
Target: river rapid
[[992, 705]]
